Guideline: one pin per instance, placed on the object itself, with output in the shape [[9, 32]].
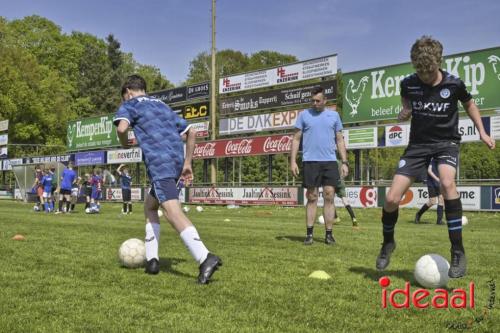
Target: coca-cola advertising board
[[259, 145], [266, 195]]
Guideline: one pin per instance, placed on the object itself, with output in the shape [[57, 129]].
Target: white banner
[[4, 139], [4, 125], [7, 164], [360, 138], [115, 193], [259, 122], [467, 130], [119, 156], [305, 70], [3, 152], [201, 128], [359, 197], [415, 197], [495, 127], [244, 195], [397, 135]]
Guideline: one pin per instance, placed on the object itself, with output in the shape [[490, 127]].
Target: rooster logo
[[70, 134], [495, 61], [353, 94]]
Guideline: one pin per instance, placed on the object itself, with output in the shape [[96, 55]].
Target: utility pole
[[213, 92]]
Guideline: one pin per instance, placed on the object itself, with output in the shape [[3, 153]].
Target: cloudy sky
[[365, 33]]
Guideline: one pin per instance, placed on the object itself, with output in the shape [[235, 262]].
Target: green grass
[[65, 277]]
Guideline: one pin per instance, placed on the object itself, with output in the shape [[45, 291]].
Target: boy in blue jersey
[[158, 131], [321, 130], [430, 98], [126, 183], [96, 182], [47, 190], [67, 179]]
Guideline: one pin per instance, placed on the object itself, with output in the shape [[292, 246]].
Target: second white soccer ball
[[465, 220], [160, 212], [321, 219], [199, 209], [132, 253], [185, 209], [431, 271]]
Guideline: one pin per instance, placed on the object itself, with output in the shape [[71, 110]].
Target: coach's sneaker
[[384, 256], [208, 267], [458, 265], [329, 240], [308, 240], [354, 222], [152, 266]]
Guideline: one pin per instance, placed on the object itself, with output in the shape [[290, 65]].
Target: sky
[[168, 34]]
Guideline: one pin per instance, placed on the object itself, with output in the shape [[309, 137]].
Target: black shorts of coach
[[417, 157], [319, 174], [126, 194]]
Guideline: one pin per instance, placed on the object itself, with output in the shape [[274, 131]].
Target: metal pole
[[213, 90]]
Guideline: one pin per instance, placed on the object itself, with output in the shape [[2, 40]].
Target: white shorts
[[74, 192], [46, 195]]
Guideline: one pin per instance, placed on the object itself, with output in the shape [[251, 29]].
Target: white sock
[[152, 240], [194, 244]]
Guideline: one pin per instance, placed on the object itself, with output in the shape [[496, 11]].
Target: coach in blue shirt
[[321, 130]]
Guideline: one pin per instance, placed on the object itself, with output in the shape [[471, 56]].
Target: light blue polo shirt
[[319, 134]]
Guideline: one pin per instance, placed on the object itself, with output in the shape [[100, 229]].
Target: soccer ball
[[36, 208], [185, 209], [87, 210], [132, 253], [160, 212], [465, 220], [199, 209], [321, 219], [431, 271]]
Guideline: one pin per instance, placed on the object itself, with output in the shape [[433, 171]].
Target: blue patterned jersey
[[158, 131], [126, 180]]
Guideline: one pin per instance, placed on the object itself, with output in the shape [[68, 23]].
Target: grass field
[[65, 277]]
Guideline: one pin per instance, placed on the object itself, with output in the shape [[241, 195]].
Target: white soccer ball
[[465, 220], [431, 271], [87, 210], [321, 219], [185, 209], [199, 209], [132, 253], [160, 212], [36, 208]]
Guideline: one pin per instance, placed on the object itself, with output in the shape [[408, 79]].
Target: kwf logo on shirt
[[430, 106]]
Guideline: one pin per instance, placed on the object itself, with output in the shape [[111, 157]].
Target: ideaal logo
[[422, 298]]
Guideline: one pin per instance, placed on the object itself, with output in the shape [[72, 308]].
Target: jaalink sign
[[276, 98], [374, 94], [91, 133]]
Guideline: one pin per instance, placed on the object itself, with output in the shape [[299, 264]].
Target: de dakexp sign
[[92, 133], [374, 94]]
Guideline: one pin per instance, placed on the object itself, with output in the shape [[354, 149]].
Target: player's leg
[[124, 202], [311, 207], [431, 202], [67, 196], [346, 204], [167, 193], [329, 213], [400, 185], [453, 212], [440, 209], [152, 237]]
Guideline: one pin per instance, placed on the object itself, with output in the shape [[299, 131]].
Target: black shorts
[[417, 157], [318, 174], [65, 192], [126, 194], [87, 192]]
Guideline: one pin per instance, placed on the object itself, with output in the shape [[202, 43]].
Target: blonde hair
[[426, 54]]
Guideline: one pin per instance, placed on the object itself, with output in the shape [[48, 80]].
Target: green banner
[[92, 133], [374, 94]]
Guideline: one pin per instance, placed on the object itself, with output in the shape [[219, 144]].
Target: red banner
[[260, 145]]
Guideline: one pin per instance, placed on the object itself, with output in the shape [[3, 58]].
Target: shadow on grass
[[298, 238], [167, 265], [374, 275]]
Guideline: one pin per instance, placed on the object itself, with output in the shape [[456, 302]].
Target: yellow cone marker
[[322, 275]]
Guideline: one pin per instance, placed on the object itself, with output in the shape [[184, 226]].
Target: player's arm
[[473, 112], [342, 152], [297, 135], [122, 131], [405, 113], [119, 170], [187, 171]]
